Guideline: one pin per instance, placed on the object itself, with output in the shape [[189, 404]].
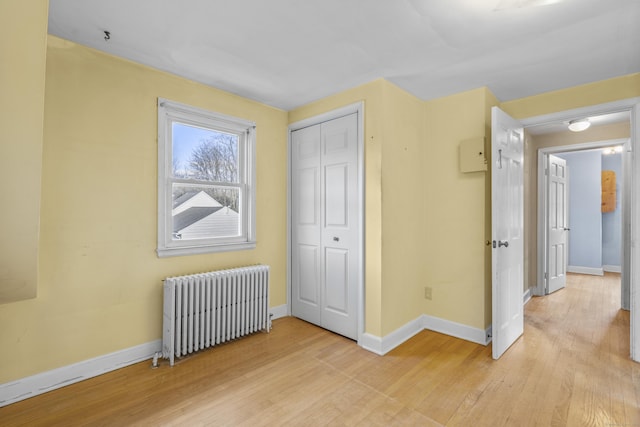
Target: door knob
[[503, 243], [566, 229], [336, 239]]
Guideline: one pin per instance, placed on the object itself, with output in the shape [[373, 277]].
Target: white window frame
[[170, 112]]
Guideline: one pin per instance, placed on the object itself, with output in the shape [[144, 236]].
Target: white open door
[[507, 188], [634, 234], [557, 226]]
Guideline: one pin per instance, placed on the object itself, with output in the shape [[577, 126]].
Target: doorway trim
[[542, 225], [631, 105], [357, 108]]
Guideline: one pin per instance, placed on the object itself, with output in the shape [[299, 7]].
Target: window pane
[[204, 154], [206, 178], [205, 212]]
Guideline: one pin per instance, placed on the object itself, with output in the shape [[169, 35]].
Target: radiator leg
[[155, 360]]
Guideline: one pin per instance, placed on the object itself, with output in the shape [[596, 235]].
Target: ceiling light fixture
[[520, 4], [579, 125]]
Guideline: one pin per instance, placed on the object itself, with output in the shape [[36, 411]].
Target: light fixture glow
[[520, 4], [579, 125], [613, 150]]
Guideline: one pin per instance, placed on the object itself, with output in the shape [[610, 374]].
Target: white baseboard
[[457, 330], [526, 297], [50, 380], [372, 343], [383, 345], [612, 268], [24, 388], [585, 270], [387, 343], [278, 311]]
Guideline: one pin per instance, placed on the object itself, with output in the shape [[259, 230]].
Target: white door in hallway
[[557, 226], [507, 229], [325, 225]]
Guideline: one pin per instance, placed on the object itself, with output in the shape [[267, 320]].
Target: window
[[206, 174]]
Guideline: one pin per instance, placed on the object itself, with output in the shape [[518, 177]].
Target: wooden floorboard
[[571, 368]]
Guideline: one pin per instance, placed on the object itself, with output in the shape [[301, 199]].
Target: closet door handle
[[336, 239]]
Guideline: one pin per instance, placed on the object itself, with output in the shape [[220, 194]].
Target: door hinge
[[546, 276]]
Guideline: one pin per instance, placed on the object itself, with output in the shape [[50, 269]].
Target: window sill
[[197, 250]]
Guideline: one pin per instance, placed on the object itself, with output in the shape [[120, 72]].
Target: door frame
[[357, 108], [543, 220], [631, 105]]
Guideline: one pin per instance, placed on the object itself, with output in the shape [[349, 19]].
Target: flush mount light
[[521, 4], [579, 125]]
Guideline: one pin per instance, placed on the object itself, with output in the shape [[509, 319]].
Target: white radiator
[[202, 310]]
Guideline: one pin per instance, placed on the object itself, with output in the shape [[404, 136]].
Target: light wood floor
[[571, 368]]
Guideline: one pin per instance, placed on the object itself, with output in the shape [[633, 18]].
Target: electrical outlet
[[427, 292]]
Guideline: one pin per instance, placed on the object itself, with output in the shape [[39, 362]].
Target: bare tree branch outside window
[[215, 159]]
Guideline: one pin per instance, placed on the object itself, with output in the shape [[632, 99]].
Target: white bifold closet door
[[324, 218]]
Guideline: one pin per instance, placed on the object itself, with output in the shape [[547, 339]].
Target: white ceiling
[[286, 53]]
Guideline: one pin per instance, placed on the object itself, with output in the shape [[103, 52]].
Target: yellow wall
[[426, 222], [100, 287], [403, 208], [575, 97], [394, 229], [99, 278], [23, 39], [457, 223], [593, 134]]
